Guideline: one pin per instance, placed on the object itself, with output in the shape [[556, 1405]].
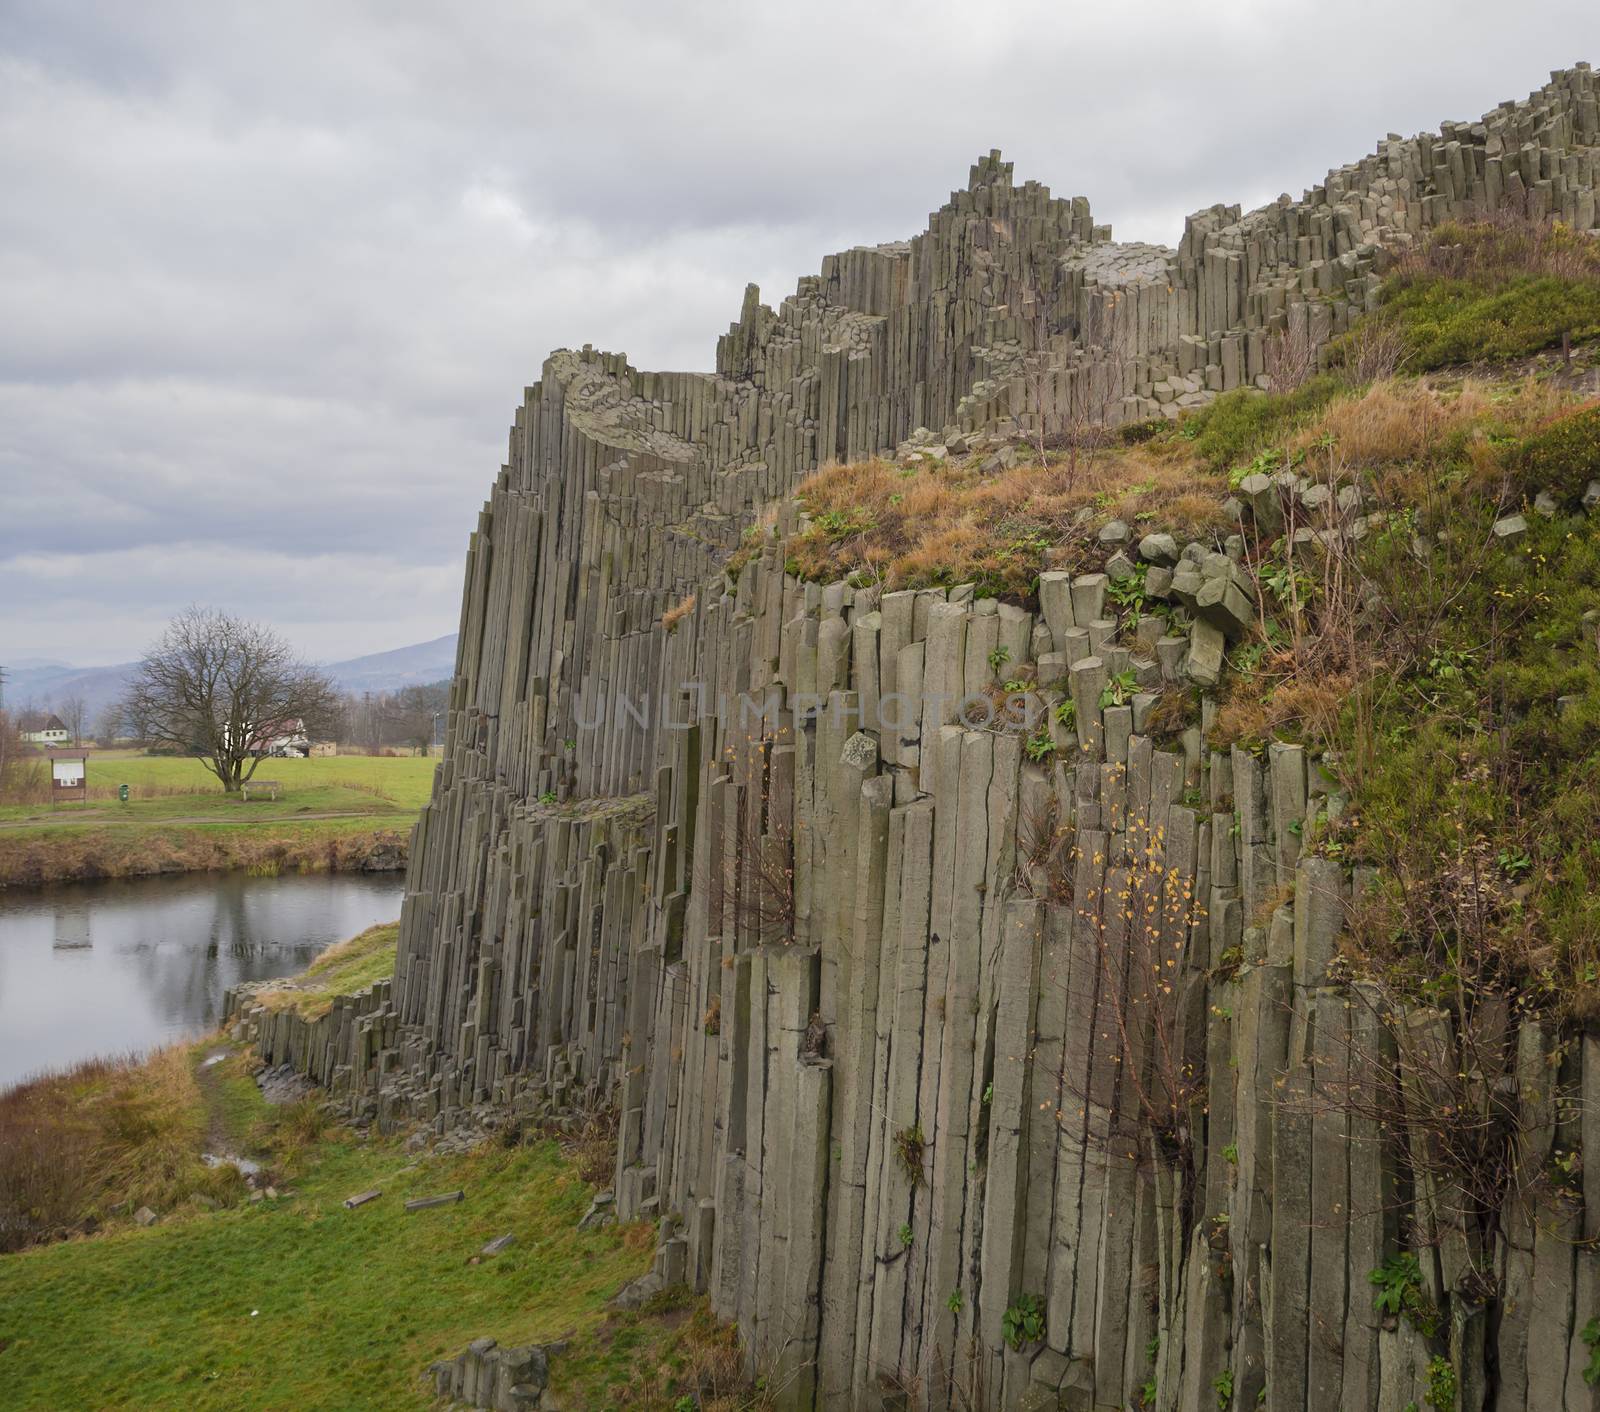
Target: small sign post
[[69, 779], [122, 793]]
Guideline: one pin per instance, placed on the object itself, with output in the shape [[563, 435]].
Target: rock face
[[960, 1076]]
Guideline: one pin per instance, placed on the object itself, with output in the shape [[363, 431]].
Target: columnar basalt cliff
[[867, 977]]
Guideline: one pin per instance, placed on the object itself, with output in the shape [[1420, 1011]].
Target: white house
[[52, 732], [286, 739]]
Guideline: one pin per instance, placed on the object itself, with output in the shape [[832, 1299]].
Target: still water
[[108, 967]]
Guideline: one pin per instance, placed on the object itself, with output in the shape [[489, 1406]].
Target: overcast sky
[[272, 277]]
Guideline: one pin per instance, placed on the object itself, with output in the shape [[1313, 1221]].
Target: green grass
[[179, 819], [164, 787], [341, 970], [1240, 423], [1492, 292], [1481, 793], [302, 1304], [1449, 322]]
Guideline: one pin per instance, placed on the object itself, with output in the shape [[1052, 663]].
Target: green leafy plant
[[1066, 713], [1514, 862], [1264, 463], [1288, 585], [1441, 1385], [548, 797], [954, 1303], [998, 657], [1399, 1284], [1223, 1387], [1591, 1337], [1147, 1389], [905, 1235], [1128, 591], [1023, 1322], [836, 525], [1119, 688], [1039, 747]]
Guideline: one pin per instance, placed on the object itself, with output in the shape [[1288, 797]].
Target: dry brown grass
[[69, 855], [107, 1136], [1504, 246], [1279, 701], [930, 527], [24, 774], [1396, 422], [705, 1369], [678, 612]]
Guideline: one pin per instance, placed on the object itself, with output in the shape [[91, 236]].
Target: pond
[[104, 968]]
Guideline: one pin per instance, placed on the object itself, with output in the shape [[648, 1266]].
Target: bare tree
[[109, 724], [223, 690], [413, 710], [73, 712]]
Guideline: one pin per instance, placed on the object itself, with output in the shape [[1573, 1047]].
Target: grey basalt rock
[[1159, 548], [721, 883]]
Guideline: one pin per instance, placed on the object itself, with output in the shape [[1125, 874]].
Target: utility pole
[[2, 688]]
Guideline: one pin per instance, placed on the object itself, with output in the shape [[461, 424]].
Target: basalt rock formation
[[861, 974]]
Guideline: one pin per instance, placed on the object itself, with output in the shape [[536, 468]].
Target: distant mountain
[[45, 685], [416, 665]]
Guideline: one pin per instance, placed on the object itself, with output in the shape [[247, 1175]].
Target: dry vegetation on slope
[[1444, 669]]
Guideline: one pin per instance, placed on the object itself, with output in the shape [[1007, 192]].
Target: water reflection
[[106, 967]]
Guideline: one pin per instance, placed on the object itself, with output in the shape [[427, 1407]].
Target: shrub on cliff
[[1240, 423], [1490, 291], [1563, 458]]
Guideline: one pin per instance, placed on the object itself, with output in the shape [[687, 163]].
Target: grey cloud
[[272, 278]]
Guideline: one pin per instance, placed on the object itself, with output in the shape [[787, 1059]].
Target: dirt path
[[205, 1076]]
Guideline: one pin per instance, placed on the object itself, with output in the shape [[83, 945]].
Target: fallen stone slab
[[145, 1216], [426, 1203], [499, 1243], [361, 1199]]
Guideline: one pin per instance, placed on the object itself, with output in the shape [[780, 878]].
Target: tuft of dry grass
[[704, 1368], [1495, 251], [678, 612], [923, 527], [1401, 422], [107, 1136]]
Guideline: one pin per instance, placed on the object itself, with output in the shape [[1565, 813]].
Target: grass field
[[294, 1302], [331, 813], [299, 1303]]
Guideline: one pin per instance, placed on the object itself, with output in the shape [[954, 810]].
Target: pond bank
[[81, 853]]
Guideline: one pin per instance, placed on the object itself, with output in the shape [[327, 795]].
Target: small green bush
[[1488, 291], [1563, 458], [1451, 321], [1241, 422], [1023, 1322]]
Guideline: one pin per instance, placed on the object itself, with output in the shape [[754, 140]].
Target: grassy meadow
[[233, 1300], [331, 814]]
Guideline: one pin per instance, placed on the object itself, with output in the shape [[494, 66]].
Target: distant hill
[[416, 665], [47, 686], [32, 682]]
